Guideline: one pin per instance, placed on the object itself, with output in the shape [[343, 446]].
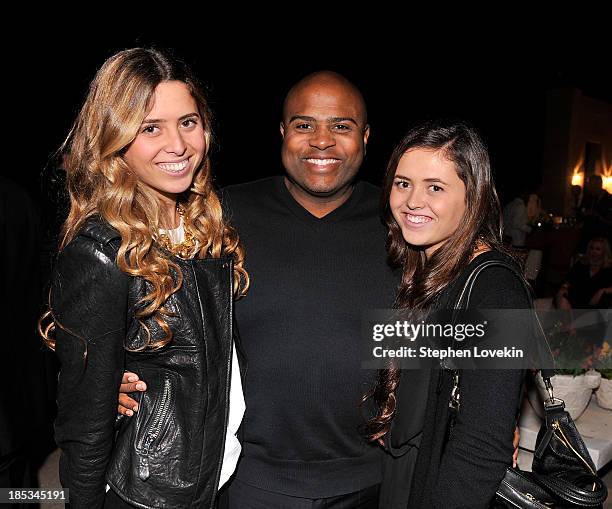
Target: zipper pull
[[455, 394], [545, 440], [143, 467]]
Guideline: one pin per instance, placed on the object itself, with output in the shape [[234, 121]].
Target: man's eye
[[303, 127], [436, 188], [341, 127]]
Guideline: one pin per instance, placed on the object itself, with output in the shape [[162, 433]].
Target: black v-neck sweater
[[300, 327]]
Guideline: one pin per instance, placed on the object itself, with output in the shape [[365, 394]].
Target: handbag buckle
[[549, 389], [455, 394]]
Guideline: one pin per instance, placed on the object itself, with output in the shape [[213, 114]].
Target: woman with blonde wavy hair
[[145, 281]]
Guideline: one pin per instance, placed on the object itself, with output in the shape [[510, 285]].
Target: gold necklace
[[186, 248]]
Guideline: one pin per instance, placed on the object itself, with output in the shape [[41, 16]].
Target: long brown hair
[[423, 279], [100, 183]]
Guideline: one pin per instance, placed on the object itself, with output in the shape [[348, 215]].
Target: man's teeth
[[322, 162], [418, 219], [174, 167]]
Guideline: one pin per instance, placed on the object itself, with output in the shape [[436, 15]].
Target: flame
[[606, 176], [577, 173], [577, 179]]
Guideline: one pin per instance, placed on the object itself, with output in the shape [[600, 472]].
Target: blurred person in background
[[26, 410]]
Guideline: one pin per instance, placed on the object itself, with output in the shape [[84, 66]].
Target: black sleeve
[[88, 300], [480, 446]]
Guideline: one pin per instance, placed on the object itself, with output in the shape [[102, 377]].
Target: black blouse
[[423, 468]]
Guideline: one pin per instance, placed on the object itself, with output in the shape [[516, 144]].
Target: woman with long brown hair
[[443, 215], [145, 280]]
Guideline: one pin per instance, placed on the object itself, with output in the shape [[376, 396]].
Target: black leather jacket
[[169, 454]]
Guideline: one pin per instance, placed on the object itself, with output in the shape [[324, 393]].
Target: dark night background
[[501, 90], [497, 79]]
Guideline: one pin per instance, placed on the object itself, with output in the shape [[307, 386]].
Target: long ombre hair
[[100, 183], [423, 279]]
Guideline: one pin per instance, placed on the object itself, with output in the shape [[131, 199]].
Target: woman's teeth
[[174, 167], [418, 219]]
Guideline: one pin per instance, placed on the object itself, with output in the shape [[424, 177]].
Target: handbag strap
[[571, 492], [464, 296], [462, 302]]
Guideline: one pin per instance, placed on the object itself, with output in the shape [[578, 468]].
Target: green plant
[[603, 360], [573, 355]]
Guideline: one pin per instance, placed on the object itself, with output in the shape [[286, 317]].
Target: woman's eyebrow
[[161, 120]]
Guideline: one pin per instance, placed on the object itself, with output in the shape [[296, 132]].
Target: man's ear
[[366, 136]]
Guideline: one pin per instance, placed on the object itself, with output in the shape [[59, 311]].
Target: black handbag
[[563, 474]]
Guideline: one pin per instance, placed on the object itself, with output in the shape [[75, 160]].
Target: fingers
[[126, 388], [128, 376], [517, 437], [124, 411], [131, 383], [515, 442], [127, 406]]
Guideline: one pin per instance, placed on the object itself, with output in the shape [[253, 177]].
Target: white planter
[[575, 391], [604, 394], [592, 378]]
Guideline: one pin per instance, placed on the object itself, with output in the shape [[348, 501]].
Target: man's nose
[[322, 139]]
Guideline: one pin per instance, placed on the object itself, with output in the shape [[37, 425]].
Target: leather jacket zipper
[[228, 378], [153, 431], [229, 365]]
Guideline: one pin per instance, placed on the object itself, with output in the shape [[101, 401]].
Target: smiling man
[[315, 252], [325, 133], [316, 255]]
